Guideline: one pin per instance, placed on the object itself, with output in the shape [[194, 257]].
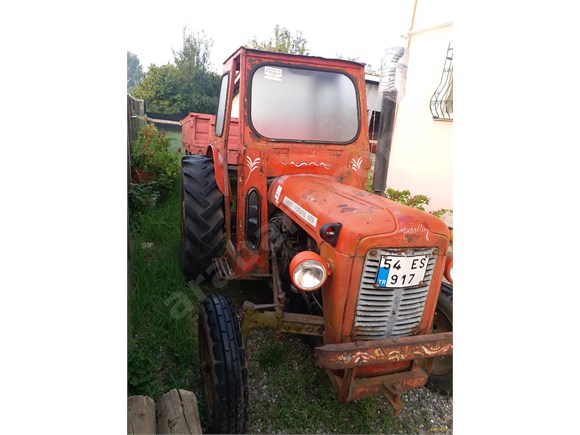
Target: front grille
[[390, 312]]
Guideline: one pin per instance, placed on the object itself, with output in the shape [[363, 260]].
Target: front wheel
[[223, 366], [441, 377]]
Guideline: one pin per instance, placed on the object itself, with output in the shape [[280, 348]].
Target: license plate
[[397, 272]]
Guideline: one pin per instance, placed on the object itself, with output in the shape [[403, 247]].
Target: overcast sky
[[360, 30]]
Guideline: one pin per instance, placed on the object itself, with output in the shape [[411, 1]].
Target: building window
[[441, 104]]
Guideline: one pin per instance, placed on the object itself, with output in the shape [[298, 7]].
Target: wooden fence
[[165, 122], [135, 119]]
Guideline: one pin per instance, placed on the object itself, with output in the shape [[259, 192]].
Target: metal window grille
[[441, 104]]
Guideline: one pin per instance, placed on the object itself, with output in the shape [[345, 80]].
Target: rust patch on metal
[[350, 388], [294, 323]]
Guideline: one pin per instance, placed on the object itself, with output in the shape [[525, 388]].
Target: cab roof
[[281, 56]]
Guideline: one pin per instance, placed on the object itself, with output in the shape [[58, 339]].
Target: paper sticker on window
[[273, 73]]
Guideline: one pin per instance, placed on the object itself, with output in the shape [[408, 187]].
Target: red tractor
[[273, 189]]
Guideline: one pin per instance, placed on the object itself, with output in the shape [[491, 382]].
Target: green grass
[[288, 394], [162, 346], [174, 139]]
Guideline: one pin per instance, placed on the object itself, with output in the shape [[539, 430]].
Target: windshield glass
[[221, 111], [304, 105]]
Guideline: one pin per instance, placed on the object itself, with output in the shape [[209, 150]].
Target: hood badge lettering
[[416, 230]]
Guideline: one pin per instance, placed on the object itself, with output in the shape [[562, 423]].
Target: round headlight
[[308, 271]]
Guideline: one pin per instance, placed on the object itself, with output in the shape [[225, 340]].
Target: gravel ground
[[288, 394], [427, 412], [276, 407]]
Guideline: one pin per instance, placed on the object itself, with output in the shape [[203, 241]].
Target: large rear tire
[[441, 377], [202, 216], [223, 366]]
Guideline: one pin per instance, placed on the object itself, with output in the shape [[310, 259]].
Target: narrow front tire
[[223, 366]]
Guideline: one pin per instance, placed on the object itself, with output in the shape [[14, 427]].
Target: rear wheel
[[202, 216], [223, 366], [441, 377]]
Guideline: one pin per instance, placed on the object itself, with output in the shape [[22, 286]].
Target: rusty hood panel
[[315, 200]]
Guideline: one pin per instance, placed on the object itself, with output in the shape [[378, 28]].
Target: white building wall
[[421, 157]]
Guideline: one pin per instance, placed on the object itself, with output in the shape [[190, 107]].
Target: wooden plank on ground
[[141, 415], [177, 413]]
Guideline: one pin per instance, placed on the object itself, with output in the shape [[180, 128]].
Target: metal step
[[223, 268]]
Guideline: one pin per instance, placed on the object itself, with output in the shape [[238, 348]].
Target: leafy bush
[[158, 166], [441, 213], [150, 152], [142, 196], [416, 201], [405, 197], [140, 367]]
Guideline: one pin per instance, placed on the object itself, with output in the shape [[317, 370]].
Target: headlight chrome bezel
[[308, 261]]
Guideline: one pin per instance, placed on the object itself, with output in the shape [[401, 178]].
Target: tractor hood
[[315, 200]]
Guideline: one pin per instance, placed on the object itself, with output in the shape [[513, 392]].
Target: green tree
[[198, 86], [195, 51], [134, 70], [283, 42], [187, 84], [160, 90]]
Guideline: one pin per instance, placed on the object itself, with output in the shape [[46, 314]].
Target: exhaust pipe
[[390, 93]]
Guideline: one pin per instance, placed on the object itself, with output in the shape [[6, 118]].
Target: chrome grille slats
[[383, 313]]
